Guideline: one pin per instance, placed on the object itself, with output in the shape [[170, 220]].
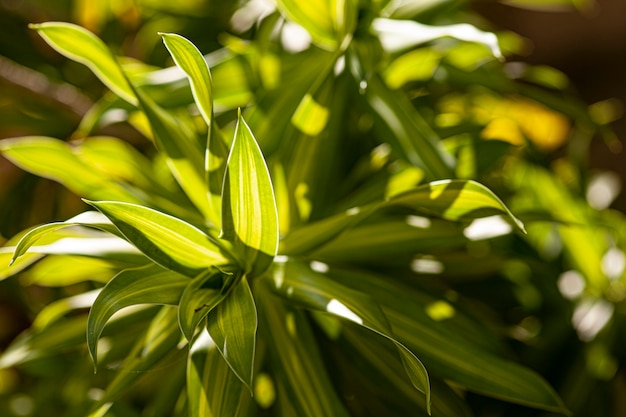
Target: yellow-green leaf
[[168, 241], [328, 22], [189, 59], [82, 46], [56, 160], [249, 214], [455, 200]]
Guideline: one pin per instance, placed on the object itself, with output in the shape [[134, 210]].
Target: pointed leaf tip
[[249, 211]]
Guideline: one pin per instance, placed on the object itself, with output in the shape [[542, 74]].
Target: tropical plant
[[311, 235]]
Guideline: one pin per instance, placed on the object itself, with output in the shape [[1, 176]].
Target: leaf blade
[[168, 241], [150, 284], [300, 284], [189, 59], [249, 213], [233, 325], [82, 46], [212, 388], [202, 295]]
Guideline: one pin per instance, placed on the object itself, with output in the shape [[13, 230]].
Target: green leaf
[[159, 342], [82, 46], [271, 118], [300, 284], [57, 309], [303, 385], [212, 387], [375, 363], [31, 345], [463, 361], [56, 160], [399, 122], [201, 295], [147, 285], [232, 326], [216, 159], [66, 335], [91, 219], [116, 159], [249, 214], [316, 234], [185, 158], [476, 370], [189, 59], [455, 200], [328, 21], [53, 271], [168, 241], [391, 242]]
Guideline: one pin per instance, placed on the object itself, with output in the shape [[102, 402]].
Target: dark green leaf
[[184, 157], [400, 123], [212, 387], [201, 295], [453, 200], [303, 385], [147, 285], [159, 342], [318, 292], [232, 326]]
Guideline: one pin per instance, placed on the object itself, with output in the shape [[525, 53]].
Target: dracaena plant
[[265, 260]]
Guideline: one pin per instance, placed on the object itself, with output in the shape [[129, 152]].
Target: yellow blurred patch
[[512, 119]]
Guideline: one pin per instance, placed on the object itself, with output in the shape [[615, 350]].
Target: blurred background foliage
[[543, 129]]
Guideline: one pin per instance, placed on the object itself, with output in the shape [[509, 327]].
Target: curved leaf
[[159, 342], [147, 285], [474, 369], [168, 241], [463, 361], [189, 59], [303, 384], [91, 219], [178, 143], [399, 122], [232, 326], [317, 291], [453, 200], [249, 214], [82, 46], [212, 388], [56, 160], [201, 295]]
